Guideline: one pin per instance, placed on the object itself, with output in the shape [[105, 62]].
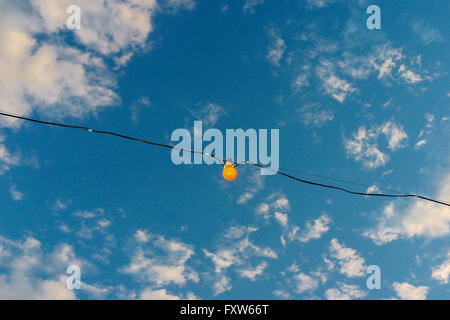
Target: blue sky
[[369, 106]]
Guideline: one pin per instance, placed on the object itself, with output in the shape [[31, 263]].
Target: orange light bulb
[[229, 172]]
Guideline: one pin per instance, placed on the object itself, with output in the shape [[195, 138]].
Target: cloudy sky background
[[370, 106]]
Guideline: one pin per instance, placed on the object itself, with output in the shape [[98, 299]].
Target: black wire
[[338, 180], [349, 191], [108, 133], [245, 162]]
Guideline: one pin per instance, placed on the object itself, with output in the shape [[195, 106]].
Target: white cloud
[[49, 77], [441, 272], [96, 291], [301, 81], [303, 283], [350, 262], [282, 294], [394, 134], [142, 236], [345, 292], [236, 251], [252, 273], [110, 28], [60, 205], [282, 218], [224, 8], [7, 160], [277, 202], [263, 209], [416, 218], [181, 4], [407, 291], [426, 131], [282, 203], [255, 183], [408, 75], [162, 262], [420, 143], [104, 223], [373, 189], [276, 47], [385, 231], [363, 146], [142, 102], [42, 72], [222, 284], [313, 230], [383, 60], [222, 259], [313, 115], [430, 118], [159, 294], [249, 5], [319, 3], [208, 113], [245, 197], [15, 194], [278, 207], [25, 265], [236, 232], [338, 88], [92, 224], [426, 33], [320, 275], [316, 229], [85, 214]]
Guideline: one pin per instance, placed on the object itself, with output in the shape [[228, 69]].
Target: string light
[[229, 172]]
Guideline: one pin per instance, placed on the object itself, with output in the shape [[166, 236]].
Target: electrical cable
[[108, 133], [338, 180], [349, 191], [236, 164]]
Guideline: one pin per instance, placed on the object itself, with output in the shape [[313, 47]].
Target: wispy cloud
[[209, 113], [15, 194], [276, 47], [249, 5], [314, 115], [416, 219], [236, 251], [441, 272], [169, 266], [304, 282], [345, 292], [407, 291], [427, 34], [7, 159], [350, 262], [313, 230], [31, 273], [319, 3], [333, 85], [363, 146]]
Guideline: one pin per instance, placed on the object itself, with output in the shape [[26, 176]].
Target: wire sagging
[[398, 195]]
